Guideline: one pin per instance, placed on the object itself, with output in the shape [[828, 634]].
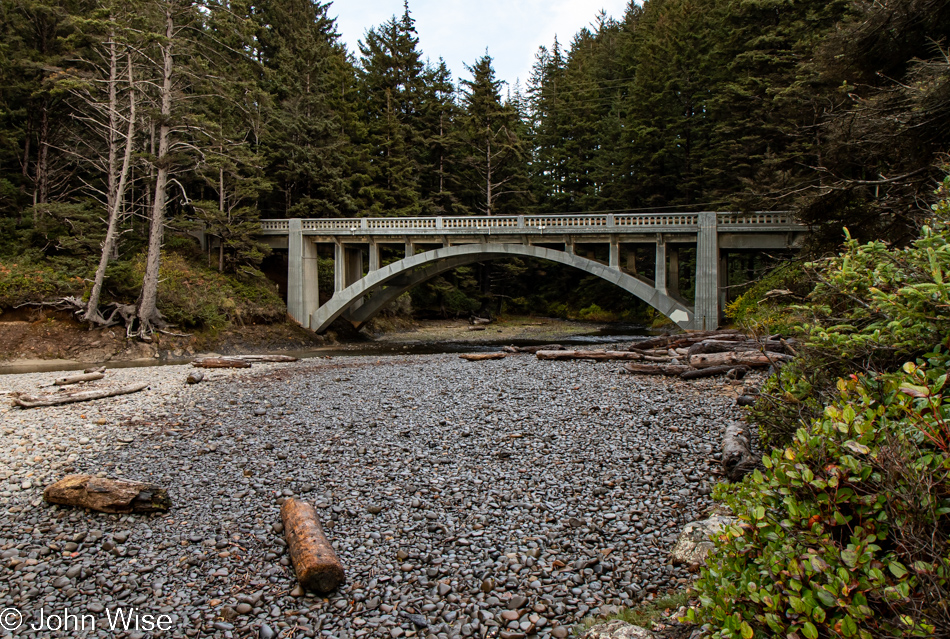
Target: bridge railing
[[531, 223]]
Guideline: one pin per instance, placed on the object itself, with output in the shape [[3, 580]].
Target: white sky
[[459, 31]]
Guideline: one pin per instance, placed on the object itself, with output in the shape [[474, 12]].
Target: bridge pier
[[303, 271], [706, 309]]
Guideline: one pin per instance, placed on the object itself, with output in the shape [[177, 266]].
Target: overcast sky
[[460, 30]]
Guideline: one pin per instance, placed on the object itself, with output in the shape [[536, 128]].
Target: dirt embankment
[[46, 335]]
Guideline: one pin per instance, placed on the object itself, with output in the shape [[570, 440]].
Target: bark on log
[[76, 379], [195, 377], [33, 401], [107, 495], [220, 362], [317, 566], [670, 370], [698, 373], [733, 359], [600, 356], [478, 357], [267, 358], [737, 459]]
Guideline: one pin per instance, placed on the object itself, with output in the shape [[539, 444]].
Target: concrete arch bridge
[[434, 245]]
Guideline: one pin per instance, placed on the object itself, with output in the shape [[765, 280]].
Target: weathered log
[[33, 401], [476, 328], [107, 495], [737, 459], [267, 358], [600, 356], [748, 358], [76, 379], [533, 349], [670, 370], [725, 346], [220, 362], [317, 566], [685, 339], [698, 373], [477, 321], [478, 357], [98, 369], [195, 377]]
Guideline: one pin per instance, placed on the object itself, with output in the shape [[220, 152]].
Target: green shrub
[[846, 533]]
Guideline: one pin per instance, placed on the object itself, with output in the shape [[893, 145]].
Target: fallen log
[[670, 370], [476, 328], [600, 356], [107, 495], [220, 362], [736, 358], [267, 358], [195, 377], [478, 357], [477, 321], [533, 349], [685, 339], [317, 566], [99, 369], [76, 379], [737, 459], [33, 401], [724, 346], [698, 373]]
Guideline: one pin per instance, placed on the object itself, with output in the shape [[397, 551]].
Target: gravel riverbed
[[505, 498]]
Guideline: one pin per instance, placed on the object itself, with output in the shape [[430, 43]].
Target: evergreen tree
[[493, 178], [309, 83]]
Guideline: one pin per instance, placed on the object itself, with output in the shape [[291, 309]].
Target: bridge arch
[[389, 282]]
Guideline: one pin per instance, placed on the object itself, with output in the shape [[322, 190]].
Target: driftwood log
[[220, 362], [76, 379], [533, 349], [737, 459], [317, 566], [267, 358], [732, 359], [98, 369], [725, 346], [685, 339], [670, 370], [600, 356], [107, 495], [698, 373], [478, 357], [480, 320], [33, 401], [195, 377], [476, 328]]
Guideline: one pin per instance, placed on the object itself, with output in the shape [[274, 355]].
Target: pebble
[[401, 461]]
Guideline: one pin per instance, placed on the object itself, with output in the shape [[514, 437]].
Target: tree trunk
[[148, 316], [116, 194]]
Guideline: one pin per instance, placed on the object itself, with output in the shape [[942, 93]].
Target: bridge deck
[[620, 223]]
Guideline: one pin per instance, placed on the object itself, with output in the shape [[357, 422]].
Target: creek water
[[610, 334]]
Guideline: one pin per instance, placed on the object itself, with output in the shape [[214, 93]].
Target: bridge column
[[706, 311], [302, 273], [339, 267], [673, 273], [354, 265], [614, 261], [410, 248], [659, 277], [373, 257]]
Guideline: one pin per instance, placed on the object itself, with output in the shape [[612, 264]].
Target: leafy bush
[[846, 534]]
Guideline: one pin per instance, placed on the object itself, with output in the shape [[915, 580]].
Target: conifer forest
[[121, 119]]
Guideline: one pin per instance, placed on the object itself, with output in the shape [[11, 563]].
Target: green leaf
[[809, 630]]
